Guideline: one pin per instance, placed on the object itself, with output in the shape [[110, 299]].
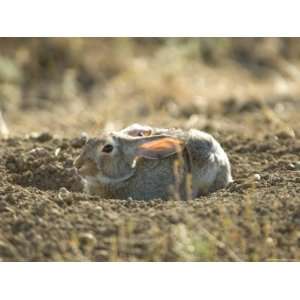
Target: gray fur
[[148, 179]]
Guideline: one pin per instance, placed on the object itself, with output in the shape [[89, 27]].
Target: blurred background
[[70, 85]]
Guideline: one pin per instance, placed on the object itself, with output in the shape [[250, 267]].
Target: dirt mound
[[42, 162], [44, 217]]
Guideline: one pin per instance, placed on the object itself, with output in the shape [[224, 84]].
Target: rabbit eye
[[107, 148], [144, 133]]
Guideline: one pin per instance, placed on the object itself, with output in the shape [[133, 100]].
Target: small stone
[[287, 134], [257, 177], [41, 137], [55, 211], [57, 151], [63, 190], [87, 239], [291, 166], [98, 209], [270, 241], [79, 141], [38, 151], [64, 194], [297, 179]]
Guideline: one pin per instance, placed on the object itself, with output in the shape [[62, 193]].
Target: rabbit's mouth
[[88, 168]]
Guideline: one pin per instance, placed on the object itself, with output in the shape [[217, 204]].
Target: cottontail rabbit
[[141, 162]]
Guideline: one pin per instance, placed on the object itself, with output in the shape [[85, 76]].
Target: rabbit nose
[[85, 166], [88, 168]]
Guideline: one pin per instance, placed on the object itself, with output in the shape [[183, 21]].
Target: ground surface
[[45, 216]]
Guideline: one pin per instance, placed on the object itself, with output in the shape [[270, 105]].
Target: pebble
[[38, 151], [286, 134], [57, 151], [270, 241], [257, 177], [291, 166], [98, 209], [44, 137], [41, 136], [55, 211], [63, 194], [87, 239], [79, 141]]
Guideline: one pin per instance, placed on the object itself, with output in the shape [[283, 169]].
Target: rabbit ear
[[160, 148], [138, 130]]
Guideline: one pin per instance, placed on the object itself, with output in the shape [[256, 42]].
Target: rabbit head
[[114, 157]]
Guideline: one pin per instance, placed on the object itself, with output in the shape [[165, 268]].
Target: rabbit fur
[[148, 163]]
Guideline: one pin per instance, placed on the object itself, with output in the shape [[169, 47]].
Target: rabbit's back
[[204, 159], [210, 165]]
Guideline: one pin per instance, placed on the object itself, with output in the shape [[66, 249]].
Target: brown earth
[[45, 216]]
